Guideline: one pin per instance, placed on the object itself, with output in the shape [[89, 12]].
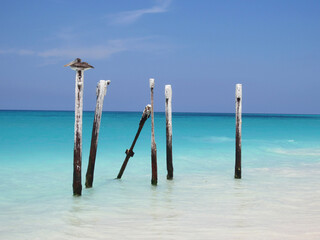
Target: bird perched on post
[[78, 65]]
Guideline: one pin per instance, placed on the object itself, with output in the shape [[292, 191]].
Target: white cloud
[[4, 51], [98, 51], [21, 52], [94, 52], [111, 47], [129, 17], [25, 52]]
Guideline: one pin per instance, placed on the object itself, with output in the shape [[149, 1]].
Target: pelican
[[78, 65]]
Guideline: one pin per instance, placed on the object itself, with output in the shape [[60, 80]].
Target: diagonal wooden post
[[130, 153], [154, 178], [79, 67], [101, 92], [168, 95], [237, 173]]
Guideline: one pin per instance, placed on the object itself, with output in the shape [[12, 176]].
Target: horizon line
[[251, 113]]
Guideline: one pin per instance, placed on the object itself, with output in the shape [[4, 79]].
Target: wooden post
[[154, 178], [77, 153], [130, 153], [168, 95], [237, 173], [79, 67], [101, 92]]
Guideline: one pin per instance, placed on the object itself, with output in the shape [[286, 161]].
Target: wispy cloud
[[128, 17], [107, 50], [93, 52], [67, 33], [103, 51], [63, 44], [21, 52]]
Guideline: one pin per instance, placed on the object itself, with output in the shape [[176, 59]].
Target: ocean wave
[[297, 151], [210, 139], [216, 139]]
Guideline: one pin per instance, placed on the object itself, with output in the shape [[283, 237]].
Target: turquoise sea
[[277, 198]]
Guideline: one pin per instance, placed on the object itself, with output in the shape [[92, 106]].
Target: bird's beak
[[70, 63]]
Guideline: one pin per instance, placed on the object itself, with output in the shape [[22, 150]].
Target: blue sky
[[202, 48]]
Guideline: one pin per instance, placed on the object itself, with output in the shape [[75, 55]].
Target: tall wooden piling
[[79, 67], [129, 152], [101, 92], [154, 178], [237, 173], [77, 152], [168, 95]]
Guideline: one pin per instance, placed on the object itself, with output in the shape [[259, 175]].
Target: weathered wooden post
[[79, 67], [130, 153], [101, 92], [168, 95], [237, 173], [154, 178]]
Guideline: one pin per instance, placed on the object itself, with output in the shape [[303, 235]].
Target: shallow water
[[278, 197]]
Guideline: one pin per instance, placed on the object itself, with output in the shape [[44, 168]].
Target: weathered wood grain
[[154, 177], [101, 92], [237, 173], [168, 109]]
